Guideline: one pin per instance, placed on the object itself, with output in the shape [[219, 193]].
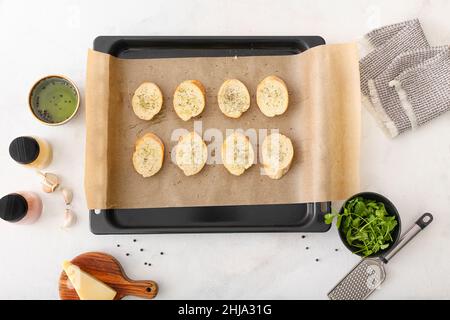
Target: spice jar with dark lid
[[31, 151], [21, 207]]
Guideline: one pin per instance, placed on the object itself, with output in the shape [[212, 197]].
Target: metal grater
[[369, 274], [359, 283]]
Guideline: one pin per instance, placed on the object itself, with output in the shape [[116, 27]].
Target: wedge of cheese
[[86, 286]]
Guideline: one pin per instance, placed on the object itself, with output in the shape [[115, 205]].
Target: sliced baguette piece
[[277, 153], [233, 98], [148, 156], [147, 101], [191, 153], [189, 99], [237, 153], [272, 96]]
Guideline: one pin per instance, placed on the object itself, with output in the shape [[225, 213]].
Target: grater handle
[[423, 222]]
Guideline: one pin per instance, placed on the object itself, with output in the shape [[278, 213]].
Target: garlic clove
[[69, 219], [50, 182], [68, 195]]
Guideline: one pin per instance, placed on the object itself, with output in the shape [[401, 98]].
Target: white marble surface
[[46, 37]]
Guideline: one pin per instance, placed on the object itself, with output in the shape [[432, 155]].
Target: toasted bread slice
[[191, 153], [189, 99], [237, 153], [277, 154], [233, 98], [272, 96], [148, 156], [147, 101]]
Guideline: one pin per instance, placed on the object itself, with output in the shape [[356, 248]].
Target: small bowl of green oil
[[54, 100]]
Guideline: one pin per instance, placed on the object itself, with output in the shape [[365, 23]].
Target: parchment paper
[[323, 122]]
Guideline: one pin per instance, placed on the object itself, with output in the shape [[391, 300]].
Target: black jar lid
[[24, 150], [13, 207]]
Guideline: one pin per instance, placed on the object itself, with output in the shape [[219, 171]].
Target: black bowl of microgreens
[[369, 224]]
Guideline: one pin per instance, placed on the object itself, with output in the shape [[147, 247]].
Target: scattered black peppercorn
[[118, 245], [336, 250], [134, 240], [317, 259], [141, 249], [303, 237], [149, 264], [127, 254], [145, 263], [307, 248]]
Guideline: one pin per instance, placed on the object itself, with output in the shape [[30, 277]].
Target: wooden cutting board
[[107, 269]]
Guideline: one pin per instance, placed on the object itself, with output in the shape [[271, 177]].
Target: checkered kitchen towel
[[404, 82], [387, 44]]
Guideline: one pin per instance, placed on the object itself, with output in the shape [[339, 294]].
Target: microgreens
[[366, 225]]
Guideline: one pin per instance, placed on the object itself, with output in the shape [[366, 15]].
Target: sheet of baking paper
[[323, 122]]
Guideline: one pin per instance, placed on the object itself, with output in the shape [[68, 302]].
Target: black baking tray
[[305, 217]]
